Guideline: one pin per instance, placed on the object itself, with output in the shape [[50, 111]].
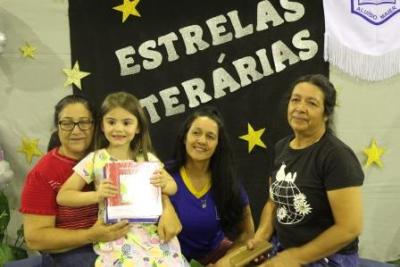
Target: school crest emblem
[[375, 11]]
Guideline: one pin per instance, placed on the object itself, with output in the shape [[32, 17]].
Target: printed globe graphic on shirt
[[292, 204]]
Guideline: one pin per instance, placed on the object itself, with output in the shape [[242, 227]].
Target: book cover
[[138, 200], [242, 256]]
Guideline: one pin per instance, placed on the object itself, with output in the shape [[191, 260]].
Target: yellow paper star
[[374, 154], [128, 8], [75, 75], [253, 137], [27, 50], [30, 148]]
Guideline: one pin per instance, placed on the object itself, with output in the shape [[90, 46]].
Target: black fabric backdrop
[[97, 32]]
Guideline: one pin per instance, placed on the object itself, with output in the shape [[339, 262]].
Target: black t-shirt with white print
[[299, 184]]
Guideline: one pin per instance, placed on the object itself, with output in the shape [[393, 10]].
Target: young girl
[[122, 134]]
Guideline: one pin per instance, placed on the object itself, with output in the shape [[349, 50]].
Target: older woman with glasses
[[65, 235]]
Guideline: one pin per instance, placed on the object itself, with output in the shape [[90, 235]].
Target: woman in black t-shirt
[[315, 207]]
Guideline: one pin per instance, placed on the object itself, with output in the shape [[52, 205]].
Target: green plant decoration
[[8, 252]]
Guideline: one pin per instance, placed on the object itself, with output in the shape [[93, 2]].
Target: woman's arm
[[246, 228], [266, 228], [346, 208], [41, 234], [246, 232], [169, 224]]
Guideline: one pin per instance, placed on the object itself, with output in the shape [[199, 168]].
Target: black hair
[[225, 186], [59, 107]]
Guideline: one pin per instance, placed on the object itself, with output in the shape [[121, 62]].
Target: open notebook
[[138, 200]]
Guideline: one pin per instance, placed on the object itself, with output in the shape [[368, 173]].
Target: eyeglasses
[[70, 125]]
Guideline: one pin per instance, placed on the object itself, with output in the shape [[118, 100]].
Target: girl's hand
[[159, 180], [162, 179], [106, 189]]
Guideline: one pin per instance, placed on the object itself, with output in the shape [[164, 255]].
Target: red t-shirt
[[40, 191]]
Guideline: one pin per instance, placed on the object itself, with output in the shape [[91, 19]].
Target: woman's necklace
[[203, 203]]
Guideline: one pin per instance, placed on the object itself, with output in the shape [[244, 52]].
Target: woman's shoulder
[[332, 144], [52, 158], [283, 142], [52, 162], [338, 163], [334, 152]]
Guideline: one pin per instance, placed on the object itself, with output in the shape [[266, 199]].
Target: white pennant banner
[[362, 37]]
